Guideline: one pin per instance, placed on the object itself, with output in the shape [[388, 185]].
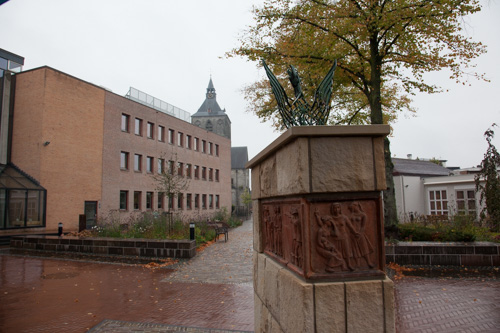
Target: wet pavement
[[210, 293], [54, 295]]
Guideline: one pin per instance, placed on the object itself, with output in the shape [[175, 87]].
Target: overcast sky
[[169, 49]]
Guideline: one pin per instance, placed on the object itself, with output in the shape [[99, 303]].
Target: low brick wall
[[108, 246], [454, 254]]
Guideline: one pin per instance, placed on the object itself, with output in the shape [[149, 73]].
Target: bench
[[220, 228]]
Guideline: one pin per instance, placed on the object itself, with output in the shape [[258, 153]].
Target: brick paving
[[211, 293], [52, 295], [447, 305], [227, 263]]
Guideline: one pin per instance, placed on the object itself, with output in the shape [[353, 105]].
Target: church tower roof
[[210, 107]]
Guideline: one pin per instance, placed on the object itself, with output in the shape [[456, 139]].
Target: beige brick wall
[[54, 107]]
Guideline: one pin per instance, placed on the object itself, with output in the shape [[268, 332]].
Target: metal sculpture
[[298, 111]]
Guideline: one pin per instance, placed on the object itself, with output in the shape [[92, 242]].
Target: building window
[[203, 146], [137, 200], [161, 196], [150, 130], [180, 169], [217, 204], [196, 172], [137, 162], [188, 201], [196, 201], [125, 122], [138, 126], [123, 200], [188, 170], [171, 169], [149, 200], [204, 173], [124, 160], [438, 202], [171, 201], [171, 137], [210, 146], [188, 141], [204, 201], [161, 165], [161, 133], [216, 175], [466, 202], [149, 164], [210, 174], [180, 139], [211, 201], [180, 197], [216, 150], [196, 144]]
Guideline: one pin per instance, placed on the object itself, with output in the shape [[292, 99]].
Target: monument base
[[286, 303], [318, 232]]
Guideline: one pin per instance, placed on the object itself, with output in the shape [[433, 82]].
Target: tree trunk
[[390, 210]]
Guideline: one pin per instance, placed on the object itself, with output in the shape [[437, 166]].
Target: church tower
[[210, 116]]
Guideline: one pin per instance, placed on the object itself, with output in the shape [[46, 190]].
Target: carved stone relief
[[344, 236], [323, 239], [282, 230]]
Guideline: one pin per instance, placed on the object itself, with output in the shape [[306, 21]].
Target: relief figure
[[326, 248], [278, 249], [361, 246], [268, 228], [296, 254], [340, 229]]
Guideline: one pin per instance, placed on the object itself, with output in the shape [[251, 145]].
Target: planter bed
[[108, 246], [454, 254]]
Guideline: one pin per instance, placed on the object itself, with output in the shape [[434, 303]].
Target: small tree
[[488, 182], [171, 182], [246, 199]]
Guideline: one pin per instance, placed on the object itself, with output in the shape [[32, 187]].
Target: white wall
[[410, 197]]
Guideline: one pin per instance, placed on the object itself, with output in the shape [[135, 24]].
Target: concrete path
[[211, 293]]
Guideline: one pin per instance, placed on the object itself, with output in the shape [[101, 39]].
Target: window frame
[[138, 126], [150, 130], [124, 157], [125, 121], [137, 163], [123, 192]]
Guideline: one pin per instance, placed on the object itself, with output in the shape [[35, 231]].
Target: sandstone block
[[268, 177], [379, 163], [255, 182], [292, 163], [390, 316], [298, 314], [330, 307], [365, 306], [257, 235], [341, 164], [272, 288]]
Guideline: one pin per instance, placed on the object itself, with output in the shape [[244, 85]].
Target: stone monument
[[318, 232]]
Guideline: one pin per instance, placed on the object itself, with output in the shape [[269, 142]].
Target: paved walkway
[[210, 293]]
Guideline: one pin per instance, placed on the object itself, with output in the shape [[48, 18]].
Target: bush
[[458, 229]]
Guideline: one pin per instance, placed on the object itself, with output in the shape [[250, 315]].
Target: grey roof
[[210, 107], [408, 167], [239, 157]]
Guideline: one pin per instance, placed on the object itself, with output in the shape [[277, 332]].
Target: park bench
[[220, 228]]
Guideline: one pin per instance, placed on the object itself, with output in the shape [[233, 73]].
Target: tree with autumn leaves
[[383, 49]]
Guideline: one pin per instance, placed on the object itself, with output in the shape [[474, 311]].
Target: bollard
[[60, 229], [191, 231]]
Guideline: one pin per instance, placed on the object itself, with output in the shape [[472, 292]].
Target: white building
[[425, 188]]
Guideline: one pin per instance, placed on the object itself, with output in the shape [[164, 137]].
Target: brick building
[[94, 152]]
